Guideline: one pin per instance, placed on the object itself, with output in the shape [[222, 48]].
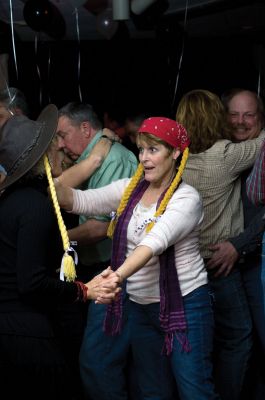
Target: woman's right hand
[[64, 195], [104, 287]]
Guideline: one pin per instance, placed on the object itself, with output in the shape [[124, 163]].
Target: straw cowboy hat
[[23, 142]]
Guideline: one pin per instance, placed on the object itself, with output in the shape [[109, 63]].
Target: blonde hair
[[132, 185], [68, 265], [203, 115]]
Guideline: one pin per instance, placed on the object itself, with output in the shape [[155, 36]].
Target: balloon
[[95, 7], [38, 14], [77, 3], [42, 15], [105, 24], [139, 6], [122, 33], [57, 27]]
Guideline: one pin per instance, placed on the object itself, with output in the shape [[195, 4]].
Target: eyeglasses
[[245, 116]]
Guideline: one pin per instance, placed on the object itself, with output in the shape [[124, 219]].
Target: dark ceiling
[[224, 48], [197, 18]]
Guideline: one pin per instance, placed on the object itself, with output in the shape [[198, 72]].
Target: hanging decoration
[[43, 16], [258, 89], [106, 26], [181, 55], [79, 55], [121, 10], [48, 74], [38, 69], [38, 14], [13, 36]]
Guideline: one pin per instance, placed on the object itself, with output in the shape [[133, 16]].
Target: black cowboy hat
[[23, 142]]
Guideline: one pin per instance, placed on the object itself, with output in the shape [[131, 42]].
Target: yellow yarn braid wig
[[132, 185], [68, 264]]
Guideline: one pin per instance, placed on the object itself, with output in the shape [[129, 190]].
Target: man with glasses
[[245, 114]]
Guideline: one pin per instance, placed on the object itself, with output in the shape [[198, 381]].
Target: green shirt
[[119, 163]]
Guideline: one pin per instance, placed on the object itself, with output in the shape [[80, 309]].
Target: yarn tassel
[[69, 268]]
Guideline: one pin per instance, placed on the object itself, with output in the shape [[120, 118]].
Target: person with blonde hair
[[214, 168], [155, 255]]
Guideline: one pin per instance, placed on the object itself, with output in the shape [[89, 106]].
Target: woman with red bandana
[[156, 256]]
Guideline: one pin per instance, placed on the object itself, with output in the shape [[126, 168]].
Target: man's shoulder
[[120, 152]]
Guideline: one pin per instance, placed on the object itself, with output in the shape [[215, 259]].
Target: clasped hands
[[104, 287]]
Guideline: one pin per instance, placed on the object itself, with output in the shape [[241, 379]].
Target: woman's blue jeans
[[192, 370]]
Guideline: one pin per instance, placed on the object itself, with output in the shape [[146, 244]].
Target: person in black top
[[32, 364]]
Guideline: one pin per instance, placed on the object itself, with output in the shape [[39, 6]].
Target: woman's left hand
[[104, 288]]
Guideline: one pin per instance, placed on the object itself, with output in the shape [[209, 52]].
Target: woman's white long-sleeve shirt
[[179, 226]]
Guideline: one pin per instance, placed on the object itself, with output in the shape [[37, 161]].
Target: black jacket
[[248, 243]]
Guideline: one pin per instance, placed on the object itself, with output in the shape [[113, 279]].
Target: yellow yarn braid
[[124, 200], [67, 261], [134, 181]]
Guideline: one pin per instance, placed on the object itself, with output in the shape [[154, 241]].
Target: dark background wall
[[131, 74]]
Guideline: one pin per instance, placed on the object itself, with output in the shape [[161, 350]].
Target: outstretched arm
[[80, 172], [64, 195], [136, 260]]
